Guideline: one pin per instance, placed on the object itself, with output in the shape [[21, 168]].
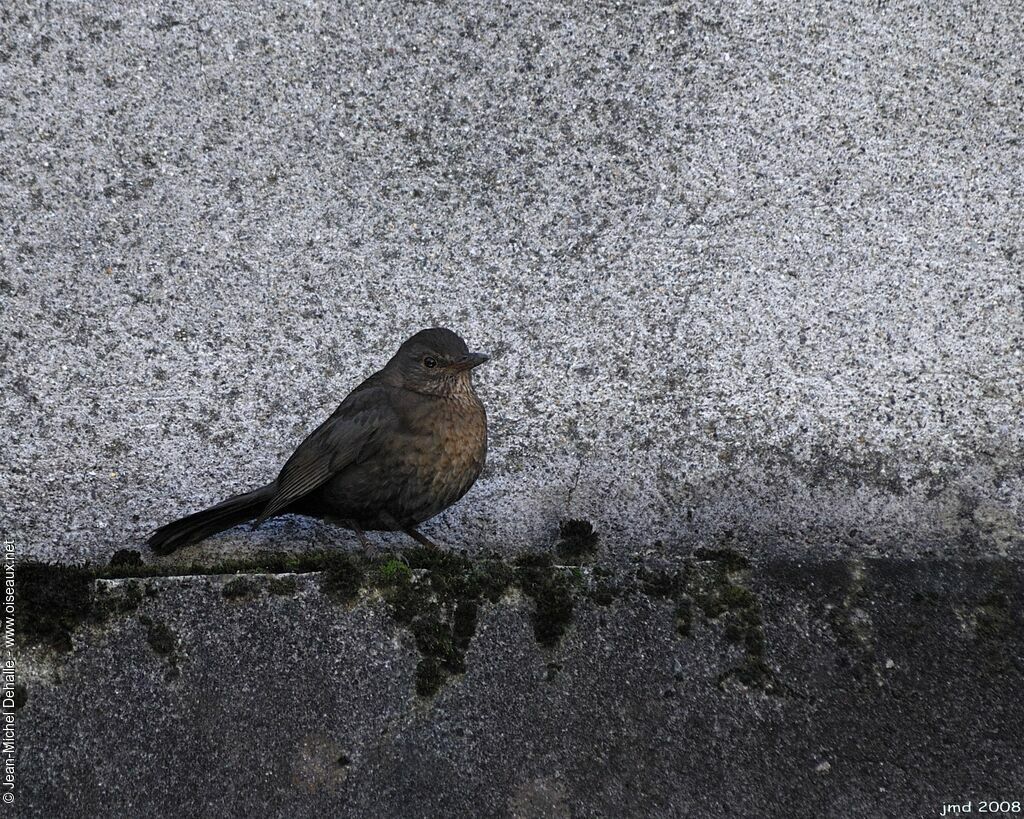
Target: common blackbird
[[404, 445]]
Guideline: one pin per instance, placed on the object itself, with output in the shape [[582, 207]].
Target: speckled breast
[[441, 466]]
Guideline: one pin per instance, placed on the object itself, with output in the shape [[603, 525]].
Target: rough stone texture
[[742, 266], [748, 272], [895, 689]]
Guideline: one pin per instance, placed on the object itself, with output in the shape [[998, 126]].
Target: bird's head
[[435, 362]]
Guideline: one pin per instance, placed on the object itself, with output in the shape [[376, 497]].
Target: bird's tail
[[196, 527]]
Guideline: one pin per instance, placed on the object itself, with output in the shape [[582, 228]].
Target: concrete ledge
[[706, 686]]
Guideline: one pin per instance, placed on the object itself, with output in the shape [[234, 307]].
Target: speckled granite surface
[[741, 266], [751, 274]]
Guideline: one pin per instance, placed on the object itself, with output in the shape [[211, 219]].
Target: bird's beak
[[469, 361]]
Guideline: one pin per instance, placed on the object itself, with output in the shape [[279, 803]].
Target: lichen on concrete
[[437, 596], [434, 594]]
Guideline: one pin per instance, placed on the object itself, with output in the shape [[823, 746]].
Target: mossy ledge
[[714, 584], [434, 594]]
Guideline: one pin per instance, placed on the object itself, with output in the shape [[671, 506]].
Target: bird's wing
[[350, 435]]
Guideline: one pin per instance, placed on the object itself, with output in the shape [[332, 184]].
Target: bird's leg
[[419, 538], [367, 546]]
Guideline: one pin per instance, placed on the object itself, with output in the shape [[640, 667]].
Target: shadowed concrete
[[888, 689]]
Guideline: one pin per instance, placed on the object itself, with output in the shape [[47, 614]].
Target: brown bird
[[403, 446]]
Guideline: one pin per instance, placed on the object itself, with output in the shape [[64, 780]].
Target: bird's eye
[[430, 362]]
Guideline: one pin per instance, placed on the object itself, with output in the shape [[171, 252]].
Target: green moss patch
[[342, 577], [715, 585], [165, 643], [436, 595], [993, 619], [160, 637], [394, 571], [240, 588], [551, 591], [710, 586], [282, 586], [577, 540], [52, 601]]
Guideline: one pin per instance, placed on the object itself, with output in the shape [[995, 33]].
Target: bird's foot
[[422, 539], [364, 541]]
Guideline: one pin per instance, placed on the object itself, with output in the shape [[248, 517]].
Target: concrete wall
[[751, 274], [741, 266]]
